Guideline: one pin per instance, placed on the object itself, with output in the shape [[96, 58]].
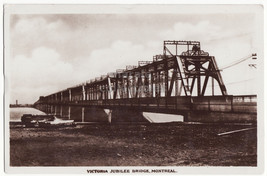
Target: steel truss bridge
[[172, 83]]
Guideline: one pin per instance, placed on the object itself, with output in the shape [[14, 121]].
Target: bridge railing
[[236, 104]]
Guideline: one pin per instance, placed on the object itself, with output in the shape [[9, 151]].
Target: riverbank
[[170, 144]]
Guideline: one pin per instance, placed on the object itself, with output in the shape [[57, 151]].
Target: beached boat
[[30, 120]]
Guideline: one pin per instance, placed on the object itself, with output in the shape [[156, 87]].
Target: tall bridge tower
[[194, 64]]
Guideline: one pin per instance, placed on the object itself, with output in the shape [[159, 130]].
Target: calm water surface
[[16, 113]]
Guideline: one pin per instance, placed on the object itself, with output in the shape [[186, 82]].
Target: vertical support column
[[48, 109], [52, 109], [166, 79], [212, 85], [109, 91], [151, 82], [69, 94], [83, 93], [55, 112], [176, 50], [94, 92], [99, 87], [61, 96], [159, 84], [127, 86], [121, 87], [176, 84], [97, 92], [69, 112], [87, 93], [116, 86], [110, 116], [145, 85], [198, 79], [90, 93], [61, 111], [141, 85], [105, 91], [87, 89], [133, 84], [82, 114], [156, 85], [100, 90], [138, 85]]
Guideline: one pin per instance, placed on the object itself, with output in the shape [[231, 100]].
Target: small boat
[[56, 123], [30, 120]]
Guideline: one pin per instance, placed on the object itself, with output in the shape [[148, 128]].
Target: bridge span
[[170, 84]]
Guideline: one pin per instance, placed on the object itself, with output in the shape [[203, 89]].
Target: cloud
[[41, 73], [31, 32], [202, 30], [116, 56]]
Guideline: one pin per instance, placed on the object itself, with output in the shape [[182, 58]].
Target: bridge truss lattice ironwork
[[169, 74]]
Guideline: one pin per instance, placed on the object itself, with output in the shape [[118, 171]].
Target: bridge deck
[[173, 105]]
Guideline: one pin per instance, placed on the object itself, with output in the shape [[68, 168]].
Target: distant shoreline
[[21, 106]]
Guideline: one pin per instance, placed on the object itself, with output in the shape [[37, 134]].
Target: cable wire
[[236, 62], [235, 82]]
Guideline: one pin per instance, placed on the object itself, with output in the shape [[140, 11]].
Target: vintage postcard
[[133, 89]]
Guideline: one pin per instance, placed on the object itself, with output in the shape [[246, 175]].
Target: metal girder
[[149, 78]]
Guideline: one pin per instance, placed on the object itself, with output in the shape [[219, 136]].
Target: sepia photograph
[[134, 88]]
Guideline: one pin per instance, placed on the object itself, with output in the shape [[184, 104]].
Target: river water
[[16, 113]]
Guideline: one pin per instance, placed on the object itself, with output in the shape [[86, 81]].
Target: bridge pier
[[82, 114], [64, 112], [50, 109], [93, 115], [126, 116], [69, 112], [57, 110], [61, 111]]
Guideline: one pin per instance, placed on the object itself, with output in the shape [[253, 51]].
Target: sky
[[51, 52]]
